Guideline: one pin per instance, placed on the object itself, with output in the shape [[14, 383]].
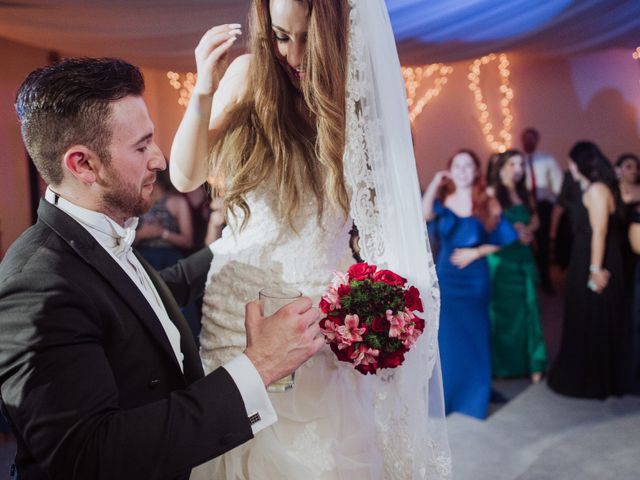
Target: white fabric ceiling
[[163, 33]]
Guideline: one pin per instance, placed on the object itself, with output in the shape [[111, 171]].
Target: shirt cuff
[[260, 411]]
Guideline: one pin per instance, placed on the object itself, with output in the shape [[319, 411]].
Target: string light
[[503, 142], [413, 78], [184, 87]]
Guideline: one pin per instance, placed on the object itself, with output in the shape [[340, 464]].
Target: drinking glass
[[271, 300]]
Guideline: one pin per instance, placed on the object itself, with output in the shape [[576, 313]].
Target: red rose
[[380, 325], [324, 321], [388, 277], [343, 355], [412, 300], [337, 317], [325, 306], [392, 359], [344, 290], [419, 324], [360, 271], [369, 368]]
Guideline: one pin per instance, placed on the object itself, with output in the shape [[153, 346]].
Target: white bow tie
[[123, 236], [117, 238]]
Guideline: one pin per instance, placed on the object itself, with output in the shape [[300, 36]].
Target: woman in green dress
[[517, 343]]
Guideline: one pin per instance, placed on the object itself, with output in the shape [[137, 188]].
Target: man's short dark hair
[[67, 104]]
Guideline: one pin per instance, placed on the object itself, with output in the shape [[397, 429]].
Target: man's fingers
[[311, 316], [317, 344], [300, 305], [252, 310], [313, 330]]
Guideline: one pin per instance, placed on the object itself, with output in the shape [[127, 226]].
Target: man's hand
[[279, 344]]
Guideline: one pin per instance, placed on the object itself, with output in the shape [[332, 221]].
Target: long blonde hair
[[298, 137]]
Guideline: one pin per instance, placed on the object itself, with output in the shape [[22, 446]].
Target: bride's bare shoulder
[[235, 78], [239, 66]]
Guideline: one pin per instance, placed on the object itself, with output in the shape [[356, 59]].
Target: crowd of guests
[[495, 229], [495, 237]]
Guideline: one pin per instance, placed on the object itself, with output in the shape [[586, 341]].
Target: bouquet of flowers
[[369, 317]]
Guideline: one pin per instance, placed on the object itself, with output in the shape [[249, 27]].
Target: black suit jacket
[[88, 378]]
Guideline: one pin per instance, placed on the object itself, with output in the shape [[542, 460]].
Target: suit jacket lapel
[[191, 363], [81, 241]]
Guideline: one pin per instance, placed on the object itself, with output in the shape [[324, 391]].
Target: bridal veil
[[381, 176]]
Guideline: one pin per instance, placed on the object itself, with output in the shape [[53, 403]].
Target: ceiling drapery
[[163, 33]]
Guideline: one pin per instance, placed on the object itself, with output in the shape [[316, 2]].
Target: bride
[[310, 134]]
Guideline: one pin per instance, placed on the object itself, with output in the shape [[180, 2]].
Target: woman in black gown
[[628, 170], [593, 361]]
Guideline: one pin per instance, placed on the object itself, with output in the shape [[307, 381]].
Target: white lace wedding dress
[[323, 431], [330, 425]]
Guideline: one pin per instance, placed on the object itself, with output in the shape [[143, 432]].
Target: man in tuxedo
[[544, 179], [99, 374]]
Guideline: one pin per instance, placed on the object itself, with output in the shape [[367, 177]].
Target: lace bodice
[[267, 252]]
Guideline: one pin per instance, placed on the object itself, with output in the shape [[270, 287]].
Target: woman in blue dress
[[468, 226]]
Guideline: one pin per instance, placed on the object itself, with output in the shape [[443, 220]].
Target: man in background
[[544, 180]]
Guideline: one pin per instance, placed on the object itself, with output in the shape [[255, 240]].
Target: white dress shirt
[[117, 241], [548, 176]]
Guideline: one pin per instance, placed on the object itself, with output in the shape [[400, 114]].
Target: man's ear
[[82, 163]]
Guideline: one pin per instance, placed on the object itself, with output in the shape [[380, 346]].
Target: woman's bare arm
[[179, 208], [189, 164], [430, 194], [598, 201]]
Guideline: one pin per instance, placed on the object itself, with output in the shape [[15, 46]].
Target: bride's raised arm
[[200, 126]]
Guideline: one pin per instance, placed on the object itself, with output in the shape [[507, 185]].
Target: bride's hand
[[212, 48]]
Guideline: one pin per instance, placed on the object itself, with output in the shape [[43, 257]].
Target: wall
[[15, 209], [18, 61], [162, 102], [593, 96]]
